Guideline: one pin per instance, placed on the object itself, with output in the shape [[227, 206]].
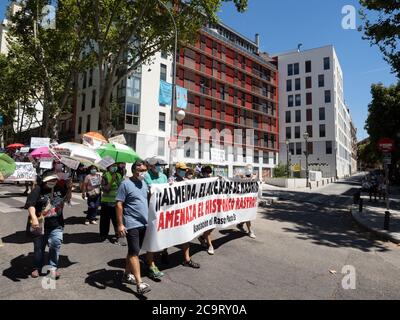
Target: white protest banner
[[105, 162], [24, 150], [37, 143], [118, 139], [24, 172], [180, 212], [46, 164], [70, 163]]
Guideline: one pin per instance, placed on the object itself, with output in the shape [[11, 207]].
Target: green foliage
[[280, 171], [382, 28]]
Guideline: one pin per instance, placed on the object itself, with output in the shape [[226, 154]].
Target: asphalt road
[[302, 244]]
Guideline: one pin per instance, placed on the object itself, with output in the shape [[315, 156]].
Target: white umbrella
[[80, 153]]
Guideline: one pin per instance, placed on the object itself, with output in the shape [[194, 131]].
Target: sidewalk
[[373, 216]]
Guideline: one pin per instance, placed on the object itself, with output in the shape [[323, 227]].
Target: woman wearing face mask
[[91, 190], [46, 222], [110, 183]]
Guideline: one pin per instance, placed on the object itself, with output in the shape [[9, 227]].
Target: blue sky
[[285, 23]]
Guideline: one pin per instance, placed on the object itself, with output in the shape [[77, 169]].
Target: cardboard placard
[[37, 143], [118, 139], [70, 163], [106, 162], [46, 164], [24, 150], [24, 172]]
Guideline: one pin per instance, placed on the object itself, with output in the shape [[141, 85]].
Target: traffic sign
[[386, 145]]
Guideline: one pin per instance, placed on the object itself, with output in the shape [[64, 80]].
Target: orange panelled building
[[231, 85]]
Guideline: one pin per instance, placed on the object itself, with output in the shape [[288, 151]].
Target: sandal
[[143, 288], [191, 264]]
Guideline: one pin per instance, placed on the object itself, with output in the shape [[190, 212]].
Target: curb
[[382, 233]]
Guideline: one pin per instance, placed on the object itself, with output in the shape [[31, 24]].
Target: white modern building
[[311, 100]]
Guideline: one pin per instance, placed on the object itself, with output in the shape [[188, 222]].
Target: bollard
[[387, 221], [360, 205]]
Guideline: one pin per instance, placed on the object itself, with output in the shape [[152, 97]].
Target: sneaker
[[210, 250], [35, 274], [203, 242], [154, 273], [118, 242], [252, 234], [164, 257], [87, 222], [191, 264], [241, 228], [93, 222], [129, 278], [143, 288]]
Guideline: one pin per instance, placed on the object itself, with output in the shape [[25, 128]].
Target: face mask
[[51, 185], [159, 169], [142, 175], [181, 173], [113, 169], [93, 171]]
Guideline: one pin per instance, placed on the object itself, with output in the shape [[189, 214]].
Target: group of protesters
[[124, 202]]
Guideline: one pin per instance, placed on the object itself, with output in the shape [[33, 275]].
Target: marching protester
[[110, 184], [81, 174], [132, 216], [248, 174], [91, 191], [205, 239], [46, 222], [121, 169]]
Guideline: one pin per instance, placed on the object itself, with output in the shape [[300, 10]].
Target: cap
[[156, 160], [50, 176], [181, 165]]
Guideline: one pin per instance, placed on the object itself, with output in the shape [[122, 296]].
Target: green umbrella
[[7, 166], [119, 152]]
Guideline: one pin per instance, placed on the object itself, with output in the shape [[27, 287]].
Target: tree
[[384, 118], [122, 35], [382, 28]]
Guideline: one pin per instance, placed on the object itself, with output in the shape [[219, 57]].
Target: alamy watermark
[[350, 278], [349, 20]]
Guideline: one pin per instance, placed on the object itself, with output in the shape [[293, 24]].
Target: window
[[321, 81], [133, 87], [288, 85], [310, 131], [132, 114], [90, 77], [288, 133], [290, 69], [288, 117], [291, 148], [308, 83], [164, 55], [327, 63], [322, 114], [328, 96], [308, 66], [298, 148], [297, 84], [322, 133], [328, 147], [296, 68], [222, 92], [161, 121], [84, 80], [163, 72], [161, 147], [83, 106], [256, 156], [93, 99], [297, 132], [309, 98], [310, 147], [298, 115], [88, 123], [290, 101], [80, 125], [309, 114], [298, 100]]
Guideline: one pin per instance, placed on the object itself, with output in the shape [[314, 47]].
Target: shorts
[[134, 238], [81, 177]]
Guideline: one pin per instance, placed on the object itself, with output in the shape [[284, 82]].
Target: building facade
[[230, 87], [312, 101], [354, 149]]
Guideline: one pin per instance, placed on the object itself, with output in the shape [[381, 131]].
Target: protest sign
[[24, 150], [180, 212], [24, 172], [70, 163], [105, 162], [46, 164], [37, 143], [118, 139]]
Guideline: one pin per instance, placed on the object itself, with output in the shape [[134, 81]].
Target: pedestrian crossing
[[12, 199]]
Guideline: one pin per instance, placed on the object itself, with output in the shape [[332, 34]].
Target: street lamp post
[[287, 158], [306, 137], [171, 164]]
